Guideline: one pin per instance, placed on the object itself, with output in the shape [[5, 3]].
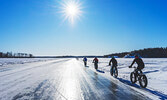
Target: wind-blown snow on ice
[[58, 78], [10, 61], [155, 70]]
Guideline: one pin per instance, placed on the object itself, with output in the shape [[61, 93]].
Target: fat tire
[[143, 78], [133, 78], [85, 64], [115, 73]]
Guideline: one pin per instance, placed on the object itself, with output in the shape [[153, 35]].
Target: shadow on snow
[[161, 95], [151, 71], [100, 71]]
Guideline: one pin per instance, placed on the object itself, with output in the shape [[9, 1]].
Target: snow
[[11, 61], [36, 78], [155, 70], [24, 79]]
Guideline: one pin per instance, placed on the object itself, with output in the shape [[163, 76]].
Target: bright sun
[[71, 10]]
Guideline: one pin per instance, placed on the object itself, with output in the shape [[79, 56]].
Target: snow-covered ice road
[[60, 79]]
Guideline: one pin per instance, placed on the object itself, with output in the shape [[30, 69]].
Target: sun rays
[[71, 10]]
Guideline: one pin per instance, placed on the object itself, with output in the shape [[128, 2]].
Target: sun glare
[[71, 10]]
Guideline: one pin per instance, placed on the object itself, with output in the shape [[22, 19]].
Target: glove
[[130, 66]]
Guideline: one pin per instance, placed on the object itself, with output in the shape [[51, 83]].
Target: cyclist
[[139, 62], [114, 64], [95, 61], [85, 61]]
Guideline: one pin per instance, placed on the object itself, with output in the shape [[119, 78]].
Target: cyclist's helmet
[[136, 56]]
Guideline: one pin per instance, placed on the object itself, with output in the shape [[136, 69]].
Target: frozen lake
[[68, 79]]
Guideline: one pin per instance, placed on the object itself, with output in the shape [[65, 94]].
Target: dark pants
[[112, 68], [139, 69], [96, 66], [85, 63]]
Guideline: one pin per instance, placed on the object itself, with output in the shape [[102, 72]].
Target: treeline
[[145, 53], [15, 55], [67, 56], [120, 55]]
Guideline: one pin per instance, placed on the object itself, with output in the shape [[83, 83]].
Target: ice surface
[[10, 61], [62, 79], [155, 70]]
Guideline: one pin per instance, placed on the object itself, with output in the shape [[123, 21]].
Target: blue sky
[[105, 27]]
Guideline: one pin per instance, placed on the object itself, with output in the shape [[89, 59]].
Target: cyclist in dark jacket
[[114, 64], [95, 61], [139, 62], [85, 61]]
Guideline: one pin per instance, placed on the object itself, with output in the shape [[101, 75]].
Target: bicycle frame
[[137, 72], [138, 75]]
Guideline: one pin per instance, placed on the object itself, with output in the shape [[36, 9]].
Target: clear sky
[[103, 27]]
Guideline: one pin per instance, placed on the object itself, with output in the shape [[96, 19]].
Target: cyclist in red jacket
[[95, 61]]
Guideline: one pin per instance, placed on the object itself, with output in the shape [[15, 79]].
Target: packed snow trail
[[60, 79]]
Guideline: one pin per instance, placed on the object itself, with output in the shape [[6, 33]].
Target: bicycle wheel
[[143, 81], [115, 73], [133, 77], [85, 64]]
